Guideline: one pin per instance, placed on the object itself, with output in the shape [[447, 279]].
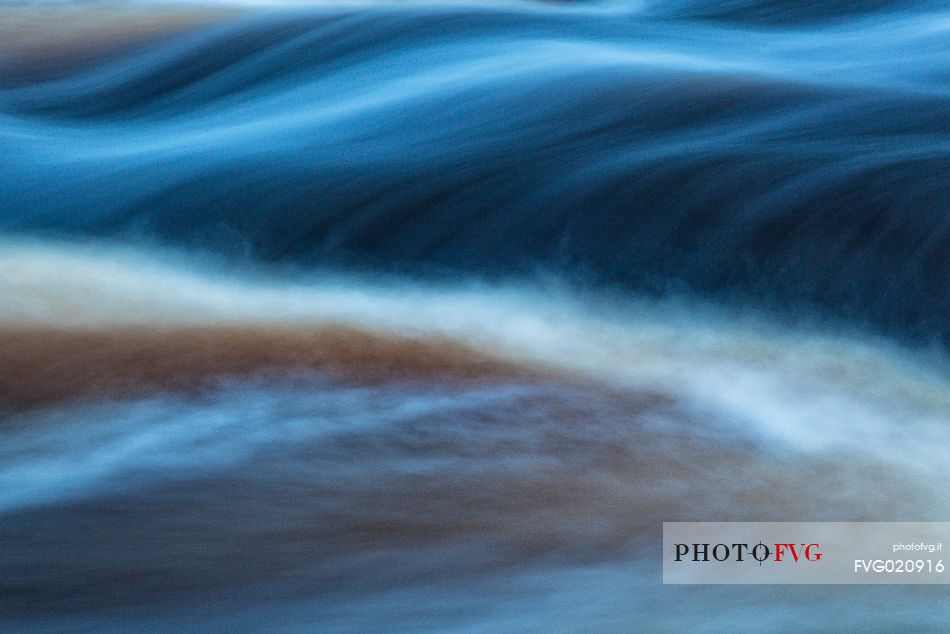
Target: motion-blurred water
[[403, 316]]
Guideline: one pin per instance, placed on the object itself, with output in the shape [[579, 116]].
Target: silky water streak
[[261, 439], [413, 316]]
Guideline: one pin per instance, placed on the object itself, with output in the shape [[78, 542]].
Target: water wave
[[333, 316], [254, 455], [793, 164]]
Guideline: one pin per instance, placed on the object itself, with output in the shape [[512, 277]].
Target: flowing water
[[416, 316]]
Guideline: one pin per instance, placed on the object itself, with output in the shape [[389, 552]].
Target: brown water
[[225, 452]]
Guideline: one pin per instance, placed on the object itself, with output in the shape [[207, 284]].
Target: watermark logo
[[804, 552]]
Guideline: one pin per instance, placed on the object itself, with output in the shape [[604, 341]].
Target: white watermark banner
[[805, 552]]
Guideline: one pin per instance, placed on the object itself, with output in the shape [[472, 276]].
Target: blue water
[[715, 232], [792, 151]]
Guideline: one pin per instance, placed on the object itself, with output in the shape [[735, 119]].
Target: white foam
[[804, 391]]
